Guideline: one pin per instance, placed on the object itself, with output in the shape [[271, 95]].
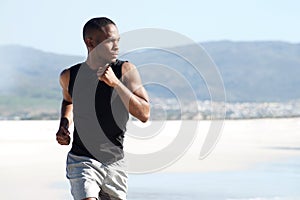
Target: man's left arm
[[132, 92]]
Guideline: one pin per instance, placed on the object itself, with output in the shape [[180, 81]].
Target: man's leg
[[114, 185], [84, 177]]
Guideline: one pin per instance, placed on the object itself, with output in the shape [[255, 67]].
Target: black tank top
[[111, 115]]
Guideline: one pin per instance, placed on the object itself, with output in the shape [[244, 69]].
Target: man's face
[[106, 43]]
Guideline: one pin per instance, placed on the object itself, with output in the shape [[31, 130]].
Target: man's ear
[[89, 42]]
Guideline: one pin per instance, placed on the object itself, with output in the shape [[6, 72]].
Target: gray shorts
[[88, 177]]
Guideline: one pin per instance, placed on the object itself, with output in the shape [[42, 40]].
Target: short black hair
[[95, 24]]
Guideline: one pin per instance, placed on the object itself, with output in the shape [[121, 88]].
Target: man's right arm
[[63, 135]]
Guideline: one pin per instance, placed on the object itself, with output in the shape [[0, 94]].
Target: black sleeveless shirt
[[110, 113]]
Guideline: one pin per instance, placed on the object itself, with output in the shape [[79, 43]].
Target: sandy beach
[[33, 164]]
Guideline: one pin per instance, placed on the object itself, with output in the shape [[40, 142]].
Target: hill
[[29, 81], [251, 71], [258, 71]]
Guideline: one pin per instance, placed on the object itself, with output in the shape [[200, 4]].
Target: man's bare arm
[[133, 94], [63, 135]]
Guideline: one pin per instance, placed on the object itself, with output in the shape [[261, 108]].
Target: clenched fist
[[63, 136]]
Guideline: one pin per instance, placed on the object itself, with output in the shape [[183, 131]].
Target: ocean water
[[269, 181]]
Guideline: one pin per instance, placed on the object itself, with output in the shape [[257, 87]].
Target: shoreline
[[205, 119], [241, 144]]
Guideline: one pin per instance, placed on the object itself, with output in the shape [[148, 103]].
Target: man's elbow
[[145, 117], [142, 113], [145, 114]]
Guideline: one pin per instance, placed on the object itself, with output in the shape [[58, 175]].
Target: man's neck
[[95, 63]]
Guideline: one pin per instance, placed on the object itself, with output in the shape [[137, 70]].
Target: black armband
[[66, 102]]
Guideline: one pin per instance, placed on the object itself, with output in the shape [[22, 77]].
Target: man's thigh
[[85, 177]]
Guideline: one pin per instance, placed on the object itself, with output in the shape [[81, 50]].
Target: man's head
[[102, 33]]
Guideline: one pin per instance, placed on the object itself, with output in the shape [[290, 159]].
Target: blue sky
[[56, 26]]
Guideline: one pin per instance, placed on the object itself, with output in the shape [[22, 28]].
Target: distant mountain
[[29, 81], [31, 72], [258, 71], [251, 71]]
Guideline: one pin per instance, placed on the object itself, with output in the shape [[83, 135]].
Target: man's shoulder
[[70, 69], [127, 66]]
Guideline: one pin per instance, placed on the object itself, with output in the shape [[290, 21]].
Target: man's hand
[[108, 76], [63, 136]]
